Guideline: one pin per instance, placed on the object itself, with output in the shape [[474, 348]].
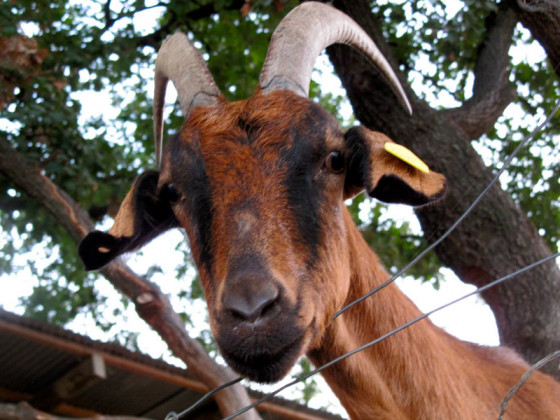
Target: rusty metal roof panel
[[179, 402], [133, 394], [29, 368], [38, 360]]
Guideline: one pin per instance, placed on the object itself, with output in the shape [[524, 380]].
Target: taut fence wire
[[461, 218], [523, 143], [545, 360], [389, 334]]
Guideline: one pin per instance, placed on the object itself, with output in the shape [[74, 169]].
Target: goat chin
[[263, 350], [262, 365]]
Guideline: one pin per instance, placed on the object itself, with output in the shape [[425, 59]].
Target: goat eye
[[335, 162], [169, 193]]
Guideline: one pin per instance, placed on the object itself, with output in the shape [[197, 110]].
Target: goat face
[[259, 187], [261, 198]]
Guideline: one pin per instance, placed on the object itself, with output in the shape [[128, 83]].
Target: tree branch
[[31, 180], [542, 18], [494, 239], [358, 76], [203, 12], [152, 305], [492, 92], [109, 21]]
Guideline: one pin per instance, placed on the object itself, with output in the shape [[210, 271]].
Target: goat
[[259, 187]]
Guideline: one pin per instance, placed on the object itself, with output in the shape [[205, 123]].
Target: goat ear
[[143, 215], [388, 171]]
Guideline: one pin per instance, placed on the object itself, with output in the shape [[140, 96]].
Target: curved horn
[[299, 39], [179, 61]]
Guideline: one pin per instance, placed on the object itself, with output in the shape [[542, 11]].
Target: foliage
[[55, 56], [533, 177], [395, 241], [438, 48]]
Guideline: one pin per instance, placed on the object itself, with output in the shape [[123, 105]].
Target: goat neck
[[421, 372]]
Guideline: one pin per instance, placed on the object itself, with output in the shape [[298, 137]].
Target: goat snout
[[251, 297], [257, 325]]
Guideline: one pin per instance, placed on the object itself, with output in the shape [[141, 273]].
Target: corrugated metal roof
[[29, 368], [48, 366]]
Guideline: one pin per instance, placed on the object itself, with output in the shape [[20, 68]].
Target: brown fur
[[251, 158], [422, 372]]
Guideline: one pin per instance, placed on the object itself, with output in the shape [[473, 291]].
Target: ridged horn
[[302, 35], [179, 61]]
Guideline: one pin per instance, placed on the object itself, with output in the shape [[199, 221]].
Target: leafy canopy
[[58, 57]]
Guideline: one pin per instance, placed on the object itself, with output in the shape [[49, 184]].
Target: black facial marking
[[188, 172], [356, 165], [169, 193], [262, 366], [303, 159]]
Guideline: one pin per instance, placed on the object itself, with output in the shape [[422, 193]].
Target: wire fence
[[511, 393]]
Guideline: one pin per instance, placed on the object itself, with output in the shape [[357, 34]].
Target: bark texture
[[151, 304], [497, 238], [542, 18]]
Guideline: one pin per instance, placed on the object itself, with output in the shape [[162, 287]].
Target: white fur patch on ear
[[406, 156], [124, 221]]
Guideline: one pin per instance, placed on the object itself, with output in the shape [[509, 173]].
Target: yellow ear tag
[[407, 156]]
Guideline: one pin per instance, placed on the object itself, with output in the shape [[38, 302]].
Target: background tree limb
[[542, 18], [497, 238], [491, 91]]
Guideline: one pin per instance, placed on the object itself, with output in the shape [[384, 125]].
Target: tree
[[59, 173], [499, 236]]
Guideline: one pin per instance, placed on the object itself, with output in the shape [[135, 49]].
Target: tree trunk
[[151, 304], [542, 18], [497, 238]]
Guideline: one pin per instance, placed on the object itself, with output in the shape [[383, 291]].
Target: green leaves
[[79, 51], [388, 231], [438, 48], [532, 178]]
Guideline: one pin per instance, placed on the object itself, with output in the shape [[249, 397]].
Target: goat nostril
[[236, 315], [268, 309], [248, 304]]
